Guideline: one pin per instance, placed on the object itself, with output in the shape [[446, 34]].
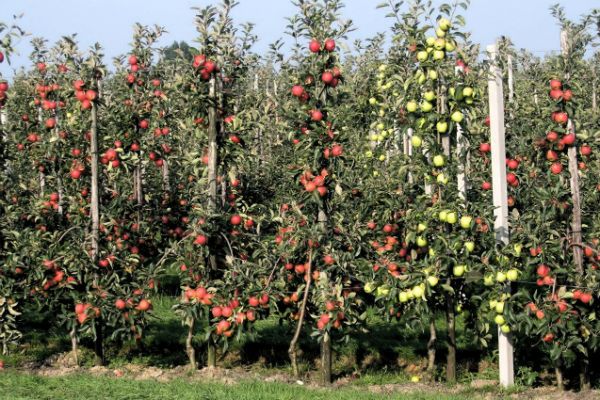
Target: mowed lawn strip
[[20, 386]]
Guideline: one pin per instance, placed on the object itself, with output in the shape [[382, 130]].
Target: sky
[[527, 22]]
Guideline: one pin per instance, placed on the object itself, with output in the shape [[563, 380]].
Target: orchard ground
[[380, 363]]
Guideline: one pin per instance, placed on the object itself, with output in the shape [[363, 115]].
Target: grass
[[384, 351], [387, 353], [17, 386]]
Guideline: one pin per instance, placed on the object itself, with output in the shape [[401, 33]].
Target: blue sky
[[527, 22]]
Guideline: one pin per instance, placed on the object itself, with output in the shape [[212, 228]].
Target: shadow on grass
[[385, 346]]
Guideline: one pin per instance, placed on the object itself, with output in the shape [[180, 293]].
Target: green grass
[[382, 352], [17, 386]]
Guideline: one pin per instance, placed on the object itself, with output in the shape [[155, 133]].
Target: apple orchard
[[330, 191]]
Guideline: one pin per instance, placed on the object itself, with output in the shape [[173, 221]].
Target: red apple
[[568, 139], [327, 77], [330, 45], [316, 115], [556, 168], [314, 46], [297, 91], [201, 240], [120, 304], [543, 270]]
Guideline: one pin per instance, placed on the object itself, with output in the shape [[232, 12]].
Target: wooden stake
[[500, 194], [576, 234], [95, 214], [213, 152], [511, 85], [462, 168], [576, 237]]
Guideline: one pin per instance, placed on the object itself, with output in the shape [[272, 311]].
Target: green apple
[[457, 116], [372, 101], [421, 122], [422, 56], [518, 247], [429, 49], [431, 252], [416, 141], [452, 91], [465, 222], [450, 46], [442, 126], [443, 216], [470, 246], [382, 68], [493, 304], [369, 287], [430, 41], [499, 319], [421, 79], [418, 291], [411, 106], [439, 161], [403, 297], [439, 44], [458, 308], [429, 95], [458, 270], [421, 241], [444, 24], [505, 329], [432, 74], [440, 33], [452, 217], [469, 100], [499, 307], [500, 277], [382, 157], [439, 54], [410, 294], [467, 92], [432, 280], [421, 227], [488, 280], [382, 291], [380, 126], [426, 106], [512, 274], [442, 179]]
